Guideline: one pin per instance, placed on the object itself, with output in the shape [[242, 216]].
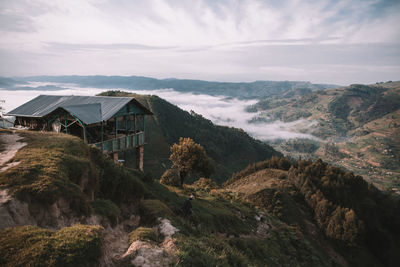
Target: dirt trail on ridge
[[11, 146]]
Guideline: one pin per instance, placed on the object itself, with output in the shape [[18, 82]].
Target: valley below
[[355, 127]]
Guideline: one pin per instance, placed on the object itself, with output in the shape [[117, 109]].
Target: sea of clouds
[[219, 109]]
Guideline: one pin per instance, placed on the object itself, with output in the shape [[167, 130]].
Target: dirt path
[[10, 146]]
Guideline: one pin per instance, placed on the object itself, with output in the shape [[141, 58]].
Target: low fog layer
[[219, 109]]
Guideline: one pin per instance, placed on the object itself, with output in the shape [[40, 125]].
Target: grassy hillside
[[358, 127], [60, 180], [79, 245], [222, 231], [273, 212], [231, 149], [336, 209], [226, 231], [58, 166]]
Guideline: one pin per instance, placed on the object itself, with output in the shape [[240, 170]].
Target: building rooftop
[[89, 109]]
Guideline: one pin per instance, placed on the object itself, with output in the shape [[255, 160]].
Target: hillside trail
[[11, 145]]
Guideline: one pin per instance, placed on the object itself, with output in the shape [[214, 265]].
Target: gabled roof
[[89, 109]]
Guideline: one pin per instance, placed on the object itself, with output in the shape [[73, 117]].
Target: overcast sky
[[329, 41]]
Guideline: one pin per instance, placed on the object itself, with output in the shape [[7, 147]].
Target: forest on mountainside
[[352, 214], [230, 149]]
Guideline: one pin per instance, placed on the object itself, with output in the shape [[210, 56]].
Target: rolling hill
[[356, 127]]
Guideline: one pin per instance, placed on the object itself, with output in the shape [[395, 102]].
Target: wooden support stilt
[[139, 158], [116, 127], [84, 134], [126, 125], [102, 136], [115, 157]]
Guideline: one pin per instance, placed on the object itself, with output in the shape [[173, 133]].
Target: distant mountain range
[[255, 89]]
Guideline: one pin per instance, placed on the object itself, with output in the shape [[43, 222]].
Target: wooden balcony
[[121, 143]]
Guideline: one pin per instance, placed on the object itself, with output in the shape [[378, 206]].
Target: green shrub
[[205, 184], [151, 209], [79, 245], [273, 163], [170, 177], [147, 177], [116, 182], [52, 166], [142, 234], [206, 251], [106, 208]]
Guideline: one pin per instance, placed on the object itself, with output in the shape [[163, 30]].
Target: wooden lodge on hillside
[[112, 124]]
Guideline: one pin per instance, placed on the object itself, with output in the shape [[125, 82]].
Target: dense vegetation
[[55, 166], [350, 210], [358, 219], [78, 245], [223, 231], [59, 168], [226, 146]]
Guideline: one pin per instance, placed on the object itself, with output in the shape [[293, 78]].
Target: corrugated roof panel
[[87, 113], [45, 104]]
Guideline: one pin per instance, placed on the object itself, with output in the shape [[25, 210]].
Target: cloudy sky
[[329, 41]]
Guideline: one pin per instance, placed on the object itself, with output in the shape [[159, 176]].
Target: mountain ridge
[[254, 89]]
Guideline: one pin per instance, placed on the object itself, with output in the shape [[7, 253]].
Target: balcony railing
[[121, 143]]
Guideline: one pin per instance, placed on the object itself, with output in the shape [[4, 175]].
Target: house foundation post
[[115, 157], [139, 157]]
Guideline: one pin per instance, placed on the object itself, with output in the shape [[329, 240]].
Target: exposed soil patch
[[10, 146]]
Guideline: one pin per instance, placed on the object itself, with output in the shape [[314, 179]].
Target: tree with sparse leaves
[[189, 157]]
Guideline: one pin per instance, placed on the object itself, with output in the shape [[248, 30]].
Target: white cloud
[[220, 110]]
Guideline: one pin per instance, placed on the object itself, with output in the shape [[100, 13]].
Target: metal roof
[[90, 109], [88, 113]]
